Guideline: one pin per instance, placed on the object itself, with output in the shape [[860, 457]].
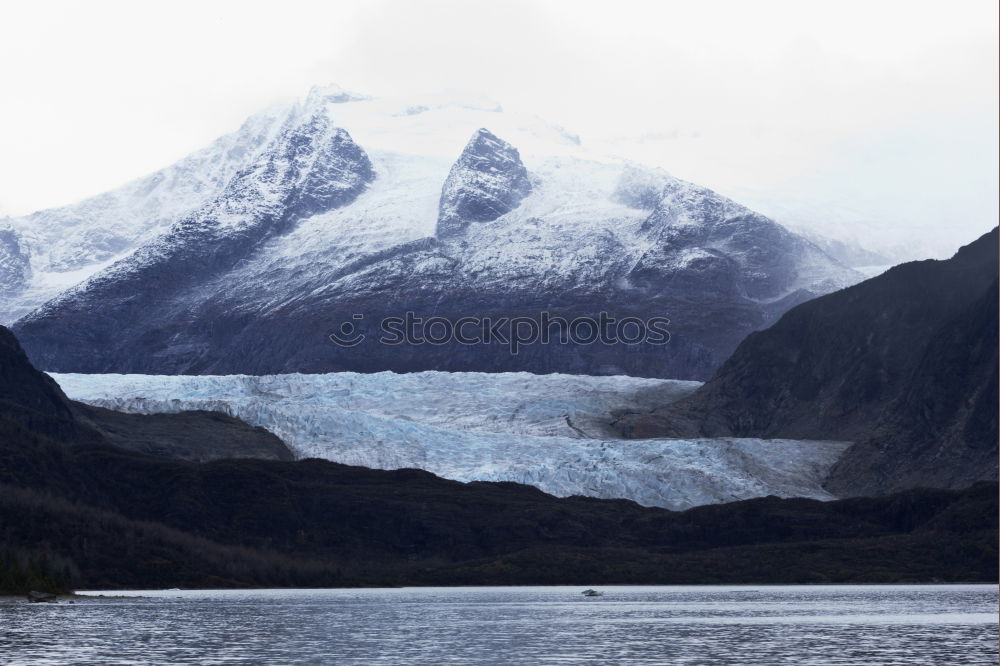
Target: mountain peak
[[488, 180]]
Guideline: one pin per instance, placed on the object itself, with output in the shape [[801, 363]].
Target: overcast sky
[[873, 120]]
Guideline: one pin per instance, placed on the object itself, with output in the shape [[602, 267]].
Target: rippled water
[[868, 625]]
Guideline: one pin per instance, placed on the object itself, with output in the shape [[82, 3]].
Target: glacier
[[550, 431]]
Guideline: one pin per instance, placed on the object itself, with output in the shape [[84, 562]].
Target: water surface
[[870, 625]]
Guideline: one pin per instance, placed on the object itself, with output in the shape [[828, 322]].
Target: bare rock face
[[487, 181]]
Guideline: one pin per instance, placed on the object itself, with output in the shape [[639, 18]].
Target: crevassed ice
[[550, 431]]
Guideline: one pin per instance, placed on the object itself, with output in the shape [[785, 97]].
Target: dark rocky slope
[[199, 436], [33, 407], [904, 364], [942, 430], [83, 512], [31, 404]]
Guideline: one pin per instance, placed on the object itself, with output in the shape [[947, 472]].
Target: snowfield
[[549, 431]]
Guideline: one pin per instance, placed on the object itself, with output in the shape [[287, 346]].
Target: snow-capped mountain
[[310, 167], [549, 431], [355, 209], [66, 245]]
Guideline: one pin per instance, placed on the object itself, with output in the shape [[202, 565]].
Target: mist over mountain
[[850, 252]]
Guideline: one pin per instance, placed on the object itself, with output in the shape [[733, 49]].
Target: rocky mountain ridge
[[500, 232]]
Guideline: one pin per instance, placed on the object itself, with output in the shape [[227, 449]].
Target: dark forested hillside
[[904, 364]]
